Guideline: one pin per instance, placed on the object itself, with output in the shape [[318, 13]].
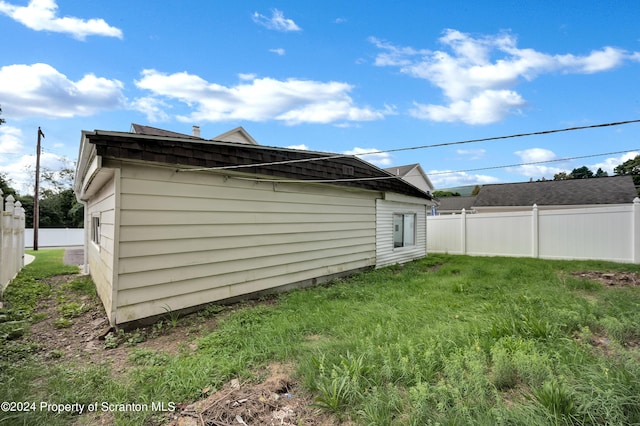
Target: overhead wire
[[531, 163], [330, 157]]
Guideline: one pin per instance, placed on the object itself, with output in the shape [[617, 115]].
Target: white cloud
[[279, 51], [21, 172], [41, 15], [474, 154], [448, 179], [489, 106], [41, 90], [292, 101], [301, 147], [612, 162], [536, 171], [10, 140], [277, 21], [382, 159], [477, 75], [153, 108]]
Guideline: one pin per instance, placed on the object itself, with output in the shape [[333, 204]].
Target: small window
[[404, 230], [95, 229]]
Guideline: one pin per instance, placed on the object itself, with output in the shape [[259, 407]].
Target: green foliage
[[581, 173], [440, 194], [630, 167], [5, 186]]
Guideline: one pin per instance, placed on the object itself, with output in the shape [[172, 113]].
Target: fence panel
[[55, 237], [604, 233], [11, 239]]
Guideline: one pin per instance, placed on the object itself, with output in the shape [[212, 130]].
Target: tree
[[2, 120], [601, 173], [562, 176], [440, 194], [630, 167], [476, 189], [6, 187], [581, 173]]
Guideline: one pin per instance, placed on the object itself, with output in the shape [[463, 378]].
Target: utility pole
[[36, 196]]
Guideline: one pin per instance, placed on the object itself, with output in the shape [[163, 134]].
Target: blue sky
[[335, 76]]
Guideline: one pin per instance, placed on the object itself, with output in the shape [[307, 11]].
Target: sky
[[333, 76]]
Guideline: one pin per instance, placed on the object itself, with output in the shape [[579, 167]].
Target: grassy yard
[[444, 340]]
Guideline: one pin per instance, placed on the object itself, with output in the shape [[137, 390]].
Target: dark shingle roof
[[208, 154], [603, 190], [154, 131], [455, 203]]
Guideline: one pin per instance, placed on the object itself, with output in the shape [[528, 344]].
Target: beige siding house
[[174, 222]]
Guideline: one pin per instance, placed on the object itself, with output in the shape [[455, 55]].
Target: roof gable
[[413, 174], [603, 190], [237, 135]]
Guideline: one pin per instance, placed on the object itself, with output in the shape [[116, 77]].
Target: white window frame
[[404, 230], [95, 229]]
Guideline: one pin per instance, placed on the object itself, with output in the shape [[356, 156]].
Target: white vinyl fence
[[605, 233], [11, 239], [55, 237]]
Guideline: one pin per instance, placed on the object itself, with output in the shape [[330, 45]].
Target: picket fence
[[11, 240], [604, 233]]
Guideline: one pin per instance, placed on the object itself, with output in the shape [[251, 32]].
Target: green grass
[[443, 340]]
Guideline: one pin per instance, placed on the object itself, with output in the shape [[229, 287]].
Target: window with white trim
[[95, 229], [404, 230]]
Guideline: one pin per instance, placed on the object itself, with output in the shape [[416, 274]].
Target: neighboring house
[[413, 174], [168, 229], [454, 205], [555, 194]]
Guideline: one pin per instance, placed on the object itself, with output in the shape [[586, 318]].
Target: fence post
[[635, 230], [535, 237], [463, 231], [8, 252], [2, 265]]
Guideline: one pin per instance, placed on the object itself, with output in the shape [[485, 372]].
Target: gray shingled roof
[[455, 203], [154, 131], [603, 190]]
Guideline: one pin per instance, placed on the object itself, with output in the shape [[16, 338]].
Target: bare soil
[[276, 400], [611, 279]]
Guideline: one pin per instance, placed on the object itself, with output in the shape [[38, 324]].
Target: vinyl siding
[[386, 253], [101, 257], [191, 238]]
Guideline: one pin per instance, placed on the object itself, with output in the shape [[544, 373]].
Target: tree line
[[58, 205]]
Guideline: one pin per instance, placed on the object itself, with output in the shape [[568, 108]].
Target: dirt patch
[[277, 400], [84, 336], [85, 340], [611, 279]]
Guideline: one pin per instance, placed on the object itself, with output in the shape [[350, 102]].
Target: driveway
[[73, 256]]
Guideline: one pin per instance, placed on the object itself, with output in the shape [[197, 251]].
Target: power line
[[557, 160], [467, 141], [430, 174], [517, 135]]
